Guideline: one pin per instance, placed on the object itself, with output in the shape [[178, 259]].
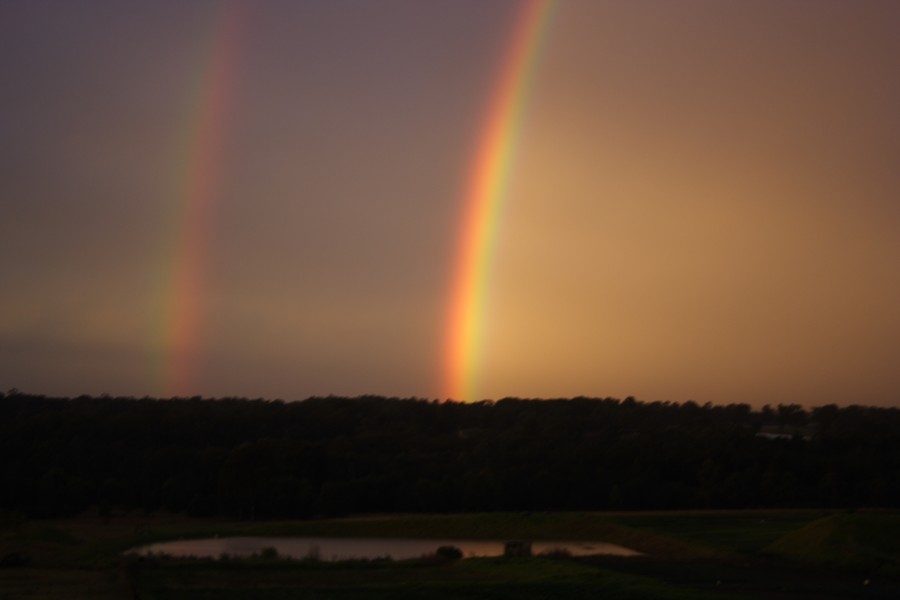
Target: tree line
[[256, 459]]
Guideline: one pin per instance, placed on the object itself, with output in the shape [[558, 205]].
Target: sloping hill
[[868, 541]]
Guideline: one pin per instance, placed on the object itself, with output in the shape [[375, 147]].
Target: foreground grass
[[717, 554], [849, 541], [739, 531], [472, 578]]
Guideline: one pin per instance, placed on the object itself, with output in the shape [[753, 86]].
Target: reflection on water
[[365, 548]]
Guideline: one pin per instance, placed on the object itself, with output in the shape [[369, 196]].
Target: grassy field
[[716, 554]]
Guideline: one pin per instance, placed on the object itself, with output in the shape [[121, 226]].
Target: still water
[[365, 548]]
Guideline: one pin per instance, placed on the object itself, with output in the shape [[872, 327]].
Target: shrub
[[14, 559], [449, 553]]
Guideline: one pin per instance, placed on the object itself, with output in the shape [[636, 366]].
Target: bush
[[14, 559], [449, 553]]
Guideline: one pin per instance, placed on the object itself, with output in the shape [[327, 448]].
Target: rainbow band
[[196, 192], [484, 200]]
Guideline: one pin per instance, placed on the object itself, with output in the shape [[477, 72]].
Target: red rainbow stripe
[[485, 196], [196, 193]]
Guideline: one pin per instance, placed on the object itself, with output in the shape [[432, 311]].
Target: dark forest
[[257, 459]]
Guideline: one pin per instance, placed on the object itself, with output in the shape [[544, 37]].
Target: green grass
[[472, 578], [731, 531], [862, 541]]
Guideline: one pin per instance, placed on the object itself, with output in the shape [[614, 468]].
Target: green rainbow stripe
[[195, 193], [485, 196]]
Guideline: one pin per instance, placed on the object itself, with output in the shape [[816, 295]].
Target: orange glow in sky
[[703, 205]]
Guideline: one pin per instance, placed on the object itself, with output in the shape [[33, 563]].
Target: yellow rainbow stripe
[[195, 193], [484, 199]]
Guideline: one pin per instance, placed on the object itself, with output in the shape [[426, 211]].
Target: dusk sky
[[267, 198]]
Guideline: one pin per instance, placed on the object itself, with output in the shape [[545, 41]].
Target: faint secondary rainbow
[[195, 192], [485, 195]]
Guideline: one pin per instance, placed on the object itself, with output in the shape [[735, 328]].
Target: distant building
[[787, 432]]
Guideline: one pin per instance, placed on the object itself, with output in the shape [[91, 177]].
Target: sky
[[269, 199]]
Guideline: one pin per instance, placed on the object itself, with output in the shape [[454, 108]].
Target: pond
[[331, 549]]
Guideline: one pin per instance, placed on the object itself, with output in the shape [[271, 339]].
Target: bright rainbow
[[195, 193], [484, 199]]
